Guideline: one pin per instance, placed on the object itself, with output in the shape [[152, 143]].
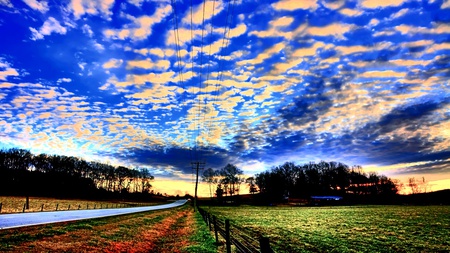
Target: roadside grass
[[169, 230], [13, 204], [202, 240], [347, 228]]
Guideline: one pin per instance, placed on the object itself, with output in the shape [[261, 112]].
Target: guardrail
[[245, 240]]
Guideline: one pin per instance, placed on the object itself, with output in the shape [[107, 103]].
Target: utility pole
[[197, 168]]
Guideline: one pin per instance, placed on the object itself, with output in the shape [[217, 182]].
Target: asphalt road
[[29, 219]]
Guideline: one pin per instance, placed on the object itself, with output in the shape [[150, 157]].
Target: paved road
[[29, 219]]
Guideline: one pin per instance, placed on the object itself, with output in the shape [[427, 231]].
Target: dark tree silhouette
[[22, 173], [323, 178]]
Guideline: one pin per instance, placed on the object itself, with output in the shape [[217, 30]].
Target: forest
[[22, 173], [303, 181]]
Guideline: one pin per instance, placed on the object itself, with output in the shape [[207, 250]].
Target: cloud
[[445, 4], [149, 64], [51, 25], [112, 63], [6, 3], [4, 74], [6, 70], [87, 30], [268, 53], [373, 4], [41, 6], [276, 28], [291, 5], [142, 26], [210, 7], [350, 12], [382, 74], [336, 29], [91, 7], [334, 4], [64, 80]]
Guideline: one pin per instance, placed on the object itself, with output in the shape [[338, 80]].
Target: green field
[[346, 228]]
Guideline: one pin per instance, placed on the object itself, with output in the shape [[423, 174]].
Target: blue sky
[[160, 84]]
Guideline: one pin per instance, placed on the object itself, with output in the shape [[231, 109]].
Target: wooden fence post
[[68, 207], [227, 235], [42, 207], [94, 205], [57, 204], [265, 245], [215, 229], [209, 222]]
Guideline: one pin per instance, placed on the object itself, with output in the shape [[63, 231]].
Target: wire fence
[[245, 240], [4, 208]]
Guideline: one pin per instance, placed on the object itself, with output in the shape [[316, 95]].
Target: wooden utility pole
[[197, 168]]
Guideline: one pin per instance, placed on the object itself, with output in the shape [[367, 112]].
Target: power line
[[225, 43]]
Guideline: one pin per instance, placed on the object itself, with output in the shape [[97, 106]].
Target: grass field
[[171, 230], [15, 204], [347, 229]]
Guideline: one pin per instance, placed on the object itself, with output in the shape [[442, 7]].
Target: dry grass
[[162, 231], [16, 204]]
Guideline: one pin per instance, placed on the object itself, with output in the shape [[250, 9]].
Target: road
[[29, 219]]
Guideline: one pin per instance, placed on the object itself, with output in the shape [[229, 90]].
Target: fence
[[58, 207], [245, 240]]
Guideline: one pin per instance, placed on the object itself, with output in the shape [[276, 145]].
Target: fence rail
[[245, 240], [57, 207]]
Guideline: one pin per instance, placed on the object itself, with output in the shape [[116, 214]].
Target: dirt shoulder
[[172, 230]]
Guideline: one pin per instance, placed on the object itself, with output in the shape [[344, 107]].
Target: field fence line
[[244, 239], [45, 207]]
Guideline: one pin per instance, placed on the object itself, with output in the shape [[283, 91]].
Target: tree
[[418, 186], [231, 179], [251, 185], [210, 177]]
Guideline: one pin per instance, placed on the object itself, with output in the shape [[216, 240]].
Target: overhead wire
[[225, 44], [200, 84], [208, 70], [179, 57]]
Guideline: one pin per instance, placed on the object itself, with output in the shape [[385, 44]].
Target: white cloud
[[142, 25], [6, 3], [290, 5], [41, 6], [98, 46], [112, 63], [91, 7], [64, 80], [137, 3], [445, 4], [197, 15], [373, 4], [51, 25], [350, 12], [399, 14], [87, 30], [6, 70]]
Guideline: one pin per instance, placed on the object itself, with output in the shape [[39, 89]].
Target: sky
[[161, 84]]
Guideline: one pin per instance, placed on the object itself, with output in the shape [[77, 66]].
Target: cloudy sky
[[163, 83]]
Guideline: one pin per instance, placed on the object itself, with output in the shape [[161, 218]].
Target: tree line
[[323, 178], [22, 173], [303, 181]]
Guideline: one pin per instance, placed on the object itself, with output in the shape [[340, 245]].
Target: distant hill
[[441, 197]]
